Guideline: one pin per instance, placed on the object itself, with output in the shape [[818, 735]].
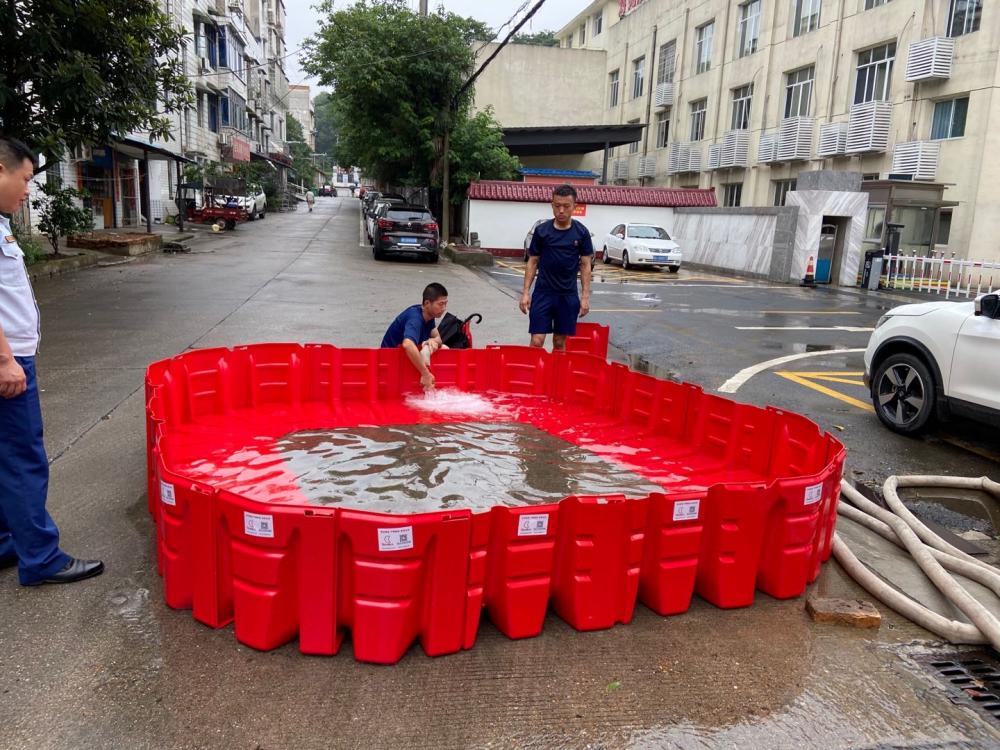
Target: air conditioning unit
[[225, 139], [664, 96], [767, 149], [619, 170], [205, 65], [930, 59], [832, 139], [678, 158], [735, 149], [795, 138], [270, 16], [81, 153], [647, 166], [918, 159], [868, 127], [694, 158], [714, 156]]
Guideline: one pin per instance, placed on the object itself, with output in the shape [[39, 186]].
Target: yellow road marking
[[845, 381], [796, 377], [848, 378]]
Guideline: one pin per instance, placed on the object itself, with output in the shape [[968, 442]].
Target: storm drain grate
[[973, 679]]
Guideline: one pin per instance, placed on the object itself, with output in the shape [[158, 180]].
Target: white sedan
[[642, 245], [936, 359]]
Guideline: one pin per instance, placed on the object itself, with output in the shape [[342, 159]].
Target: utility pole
[[453, 108], [423, 7]]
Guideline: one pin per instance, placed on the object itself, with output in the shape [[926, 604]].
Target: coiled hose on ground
[[934, 556]]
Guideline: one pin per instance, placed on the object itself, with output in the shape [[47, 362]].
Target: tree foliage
[[539, 38], [396, 78], [77, 73], [302, 155], [478, 152], [327, 126], [58, 213]]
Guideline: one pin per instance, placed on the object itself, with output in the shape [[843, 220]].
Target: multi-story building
[[743, 96], [301, 107]]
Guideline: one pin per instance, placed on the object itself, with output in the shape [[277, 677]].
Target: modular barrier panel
[[747, 500]]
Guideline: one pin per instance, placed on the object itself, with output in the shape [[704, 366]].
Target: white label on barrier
[[687, 510], [255, 524], [392, 540], [167, 495], [533, 525], [813, 494]]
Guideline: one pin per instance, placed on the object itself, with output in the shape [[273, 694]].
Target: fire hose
[[934, 555]]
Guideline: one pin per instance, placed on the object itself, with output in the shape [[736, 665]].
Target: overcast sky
[[303, 20]]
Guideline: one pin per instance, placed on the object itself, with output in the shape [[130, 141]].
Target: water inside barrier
[[420, 468]]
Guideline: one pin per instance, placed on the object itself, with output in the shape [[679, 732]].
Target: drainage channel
[[972, 678]]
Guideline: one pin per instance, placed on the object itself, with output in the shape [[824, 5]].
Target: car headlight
[[641, 249], [881, 321]]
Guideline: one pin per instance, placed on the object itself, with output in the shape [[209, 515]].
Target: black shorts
[[552, 312]]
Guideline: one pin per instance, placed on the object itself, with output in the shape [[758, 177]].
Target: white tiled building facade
[[742, 96]]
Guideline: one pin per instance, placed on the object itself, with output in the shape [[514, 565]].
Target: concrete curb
[[49, 268], [467, 256]]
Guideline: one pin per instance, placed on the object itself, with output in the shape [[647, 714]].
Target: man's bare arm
[[529, 276], [585, 272]]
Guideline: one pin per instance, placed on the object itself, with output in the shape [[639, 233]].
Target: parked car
[[402, 228], [380, 207], [642, 245], [326, 191], [933, 360], [254, 201]]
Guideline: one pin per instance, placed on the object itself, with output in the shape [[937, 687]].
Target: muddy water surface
[[420, 468]]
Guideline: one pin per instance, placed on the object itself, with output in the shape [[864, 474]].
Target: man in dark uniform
[[415, 330], [28, 535], [559, 249]]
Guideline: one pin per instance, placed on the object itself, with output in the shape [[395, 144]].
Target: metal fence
[[951, 277]]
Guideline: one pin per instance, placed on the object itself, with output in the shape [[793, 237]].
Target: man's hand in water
[[427, 381]]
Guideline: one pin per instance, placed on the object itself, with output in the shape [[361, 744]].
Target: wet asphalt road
[[105, 664]]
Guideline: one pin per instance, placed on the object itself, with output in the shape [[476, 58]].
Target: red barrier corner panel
[[747, 502]]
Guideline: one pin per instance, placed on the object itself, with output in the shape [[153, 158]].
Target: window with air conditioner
[[732, 194], [949, 118], [703, 46], [748, 28], [807, 14], [662, 129], [742, 98], [668, 62], [638, 76], [781, 190], [698, 110], [798, 91], [874, 81], [613, 89], [964, 16]]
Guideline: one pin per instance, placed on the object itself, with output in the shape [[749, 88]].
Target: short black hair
[[434, 291], [565, 190], [13, 153]]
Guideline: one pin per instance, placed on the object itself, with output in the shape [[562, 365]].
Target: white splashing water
[[452, 401]]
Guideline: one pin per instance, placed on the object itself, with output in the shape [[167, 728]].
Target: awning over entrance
[[571, 139], [137, 149]]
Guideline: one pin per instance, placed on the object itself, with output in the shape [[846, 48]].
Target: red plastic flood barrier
[[748, 501]]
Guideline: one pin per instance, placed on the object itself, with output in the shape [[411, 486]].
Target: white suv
[[935, 359]]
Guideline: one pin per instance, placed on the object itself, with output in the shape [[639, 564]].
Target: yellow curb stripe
[[845, 381], [794, 377]]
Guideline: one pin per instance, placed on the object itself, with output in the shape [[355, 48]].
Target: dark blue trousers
[[26, 529]]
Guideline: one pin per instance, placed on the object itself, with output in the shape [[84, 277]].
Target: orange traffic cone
[[810, 278]]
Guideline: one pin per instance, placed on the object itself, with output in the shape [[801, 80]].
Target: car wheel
[[625, 264], [903, 394], [377, 254], [263, 213], [673, 269], [606, 258]]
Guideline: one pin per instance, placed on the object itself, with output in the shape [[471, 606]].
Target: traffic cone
[[810, 278]]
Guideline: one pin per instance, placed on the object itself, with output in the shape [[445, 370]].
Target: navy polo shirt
[[559, 252], [409, 324]]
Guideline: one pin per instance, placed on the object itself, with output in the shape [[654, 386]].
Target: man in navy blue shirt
[[559, 249], [415, 330]]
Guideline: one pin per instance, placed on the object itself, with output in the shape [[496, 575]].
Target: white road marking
[[736, 381], [848, 329]]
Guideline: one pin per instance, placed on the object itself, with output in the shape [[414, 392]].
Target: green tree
[[302, 155], [327, 126], [59, 215], [393, 110], [539, 38], [77, 73]]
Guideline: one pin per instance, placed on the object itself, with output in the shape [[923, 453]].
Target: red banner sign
[[580, 209], [240, 149], [627, 6]]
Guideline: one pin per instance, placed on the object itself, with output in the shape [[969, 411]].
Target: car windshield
[[647, 232], [396, 215]]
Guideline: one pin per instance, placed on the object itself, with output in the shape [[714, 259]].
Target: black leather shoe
[[75, 570]]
